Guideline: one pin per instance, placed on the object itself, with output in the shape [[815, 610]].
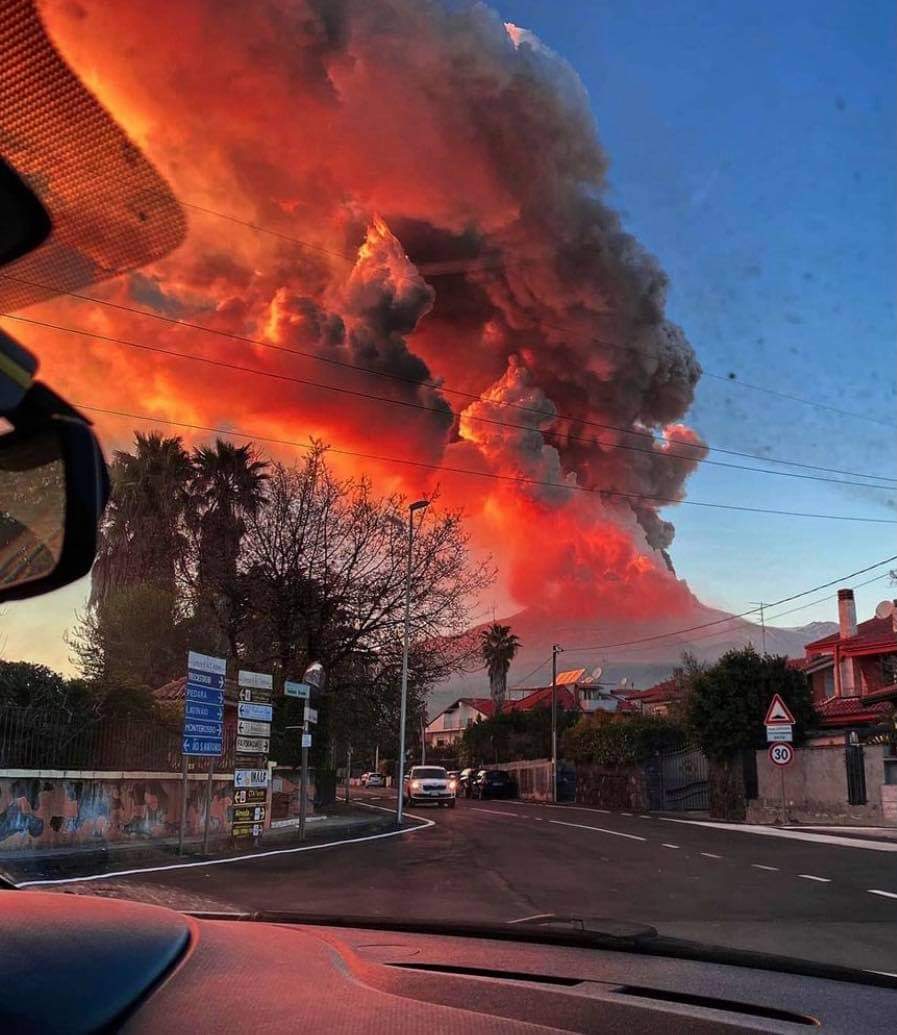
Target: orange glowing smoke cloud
[[454, 161]]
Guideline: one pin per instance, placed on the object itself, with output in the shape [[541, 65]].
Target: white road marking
[[625, 813], [710, 855], [233, 859], [535, 916], [644, 815], [665, 845], [760, 866], [809, 876], [600, 830], [884, 894], [793, 835]]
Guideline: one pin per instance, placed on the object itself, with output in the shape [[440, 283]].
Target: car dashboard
[[79, 963]]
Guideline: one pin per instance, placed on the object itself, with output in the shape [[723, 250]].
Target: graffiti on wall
[[48, 813]]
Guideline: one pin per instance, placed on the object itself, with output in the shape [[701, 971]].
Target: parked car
[[428, 783], [495, 783], [375, 780], [465, 782]]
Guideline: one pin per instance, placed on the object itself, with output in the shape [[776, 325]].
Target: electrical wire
[[729, 618], [547, 433], [245, 339], [517, 480], [435, 269]]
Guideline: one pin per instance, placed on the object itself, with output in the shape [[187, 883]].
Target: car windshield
[[499, 386]]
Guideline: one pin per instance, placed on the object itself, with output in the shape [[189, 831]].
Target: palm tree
[[227, 487], [498, 645], [142, 537]]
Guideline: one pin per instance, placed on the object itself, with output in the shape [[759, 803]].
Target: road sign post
[[201, 732], [781, 755], [205, 829], [251, 747]]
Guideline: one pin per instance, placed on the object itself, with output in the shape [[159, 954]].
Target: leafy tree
[[728, 702], [498, 646], [39, 689], [513, 736], [131, 645]]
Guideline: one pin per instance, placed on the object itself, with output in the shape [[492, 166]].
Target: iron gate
[[678, 781]]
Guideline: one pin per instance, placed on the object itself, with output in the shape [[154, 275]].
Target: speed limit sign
[[781, 754]]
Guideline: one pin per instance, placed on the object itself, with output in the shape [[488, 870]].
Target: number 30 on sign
[[781, 754]]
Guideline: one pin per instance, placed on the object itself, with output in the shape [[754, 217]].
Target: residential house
[[575, 689], [656, 700], [853, 672]]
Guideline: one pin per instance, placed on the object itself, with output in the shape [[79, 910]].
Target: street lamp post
[[555, 650], [417, 505]]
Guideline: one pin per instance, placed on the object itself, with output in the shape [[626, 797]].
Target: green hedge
[[620, 740]]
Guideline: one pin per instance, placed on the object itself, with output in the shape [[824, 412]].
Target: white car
[[428, 783], [375, 780]]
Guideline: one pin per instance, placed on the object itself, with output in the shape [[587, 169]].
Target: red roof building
[[656, 700], [853, 672]]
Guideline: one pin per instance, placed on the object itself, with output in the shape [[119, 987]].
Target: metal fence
[[41, 741], [678, 780]]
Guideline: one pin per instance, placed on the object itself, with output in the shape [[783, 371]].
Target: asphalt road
[[502, 861]]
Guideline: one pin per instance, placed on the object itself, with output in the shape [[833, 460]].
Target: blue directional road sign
[[214, 680], [260, 712], [204, 694], [193, 728], [204, 712], [201, 746]]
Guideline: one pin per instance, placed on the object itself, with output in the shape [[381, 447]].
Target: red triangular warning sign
[[778, 713]]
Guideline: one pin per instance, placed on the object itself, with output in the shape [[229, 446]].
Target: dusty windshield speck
[[498, 394]]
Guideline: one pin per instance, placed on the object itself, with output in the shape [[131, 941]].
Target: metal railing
[[41, 741]]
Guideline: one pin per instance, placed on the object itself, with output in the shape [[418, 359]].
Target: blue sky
[[752, 150]]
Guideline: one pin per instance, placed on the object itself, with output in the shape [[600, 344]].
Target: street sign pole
[[782, 774], [205, 829], [303, 783], [348, 770], [183, 804]]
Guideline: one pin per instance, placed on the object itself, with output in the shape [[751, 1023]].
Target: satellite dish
[[885, 609]]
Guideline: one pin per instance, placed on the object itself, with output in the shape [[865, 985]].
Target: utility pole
[[400, 783], [761, 605], [555, 650], [423, 742]]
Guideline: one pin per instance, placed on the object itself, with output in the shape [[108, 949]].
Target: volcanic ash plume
[[444, 172]]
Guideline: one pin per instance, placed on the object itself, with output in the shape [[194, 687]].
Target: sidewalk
[[341, 822]]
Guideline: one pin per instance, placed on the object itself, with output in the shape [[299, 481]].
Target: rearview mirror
[[53, 488]]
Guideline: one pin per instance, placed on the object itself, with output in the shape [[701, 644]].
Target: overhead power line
[[729, 618], [547, 433], [445, 389], [769, 618], [454, 266], [470, 472]]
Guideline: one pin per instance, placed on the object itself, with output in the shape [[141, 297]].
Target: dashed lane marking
[[884, 894], [665, 845], [810, 876], [760, 866], [600, 830], [711, 855], [495, 812], [793, 835]]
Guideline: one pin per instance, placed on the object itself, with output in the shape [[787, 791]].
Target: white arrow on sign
[[248, 728]]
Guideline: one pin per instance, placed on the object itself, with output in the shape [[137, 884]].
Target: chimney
[[847, 614]]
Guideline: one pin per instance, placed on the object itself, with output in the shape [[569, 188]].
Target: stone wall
[[624, 788], [59, 809], [816, 788]]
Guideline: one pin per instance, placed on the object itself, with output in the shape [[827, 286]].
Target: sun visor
[[109, 209]]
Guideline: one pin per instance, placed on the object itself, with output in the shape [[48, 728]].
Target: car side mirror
[[53, 488]]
